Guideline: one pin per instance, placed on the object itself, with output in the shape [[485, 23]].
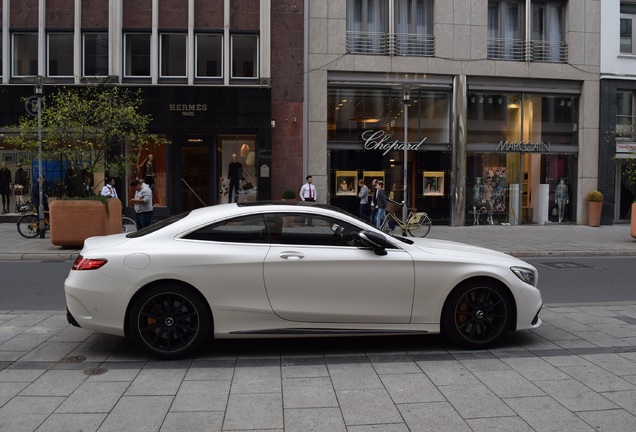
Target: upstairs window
[[507, 22], [95, 54], [25, 54], [547, 42], [506, 30], [367, 26], [627, 25], [244, 56], [60, 55], [173, 55], [625, 121], [414, 27], [137, 55], [209, 56]]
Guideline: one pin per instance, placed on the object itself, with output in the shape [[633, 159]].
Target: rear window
[[157, 225]]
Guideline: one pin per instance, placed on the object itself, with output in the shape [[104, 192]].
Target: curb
[[38, 256]]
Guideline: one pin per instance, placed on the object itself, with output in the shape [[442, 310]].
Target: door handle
[[293, 256]]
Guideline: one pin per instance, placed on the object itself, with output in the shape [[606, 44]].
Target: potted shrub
[[289, 195], [595, 206], [86, 129]]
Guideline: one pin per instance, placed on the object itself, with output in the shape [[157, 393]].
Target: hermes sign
[[188, 110], [379, 140]]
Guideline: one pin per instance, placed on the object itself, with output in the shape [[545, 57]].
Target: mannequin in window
[[5, 187], [234, 174], [561, 197], [488, 197], [478, 199], [20, 183]]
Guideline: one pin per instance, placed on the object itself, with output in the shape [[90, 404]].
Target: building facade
[[475, 111], [205, 71], [617, 113]]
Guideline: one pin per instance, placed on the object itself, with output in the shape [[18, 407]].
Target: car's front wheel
[[477, 314], [169, 321]]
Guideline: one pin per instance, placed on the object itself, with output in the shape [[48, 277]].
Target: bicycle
[[128, 225], [29, 224], [417, 224]]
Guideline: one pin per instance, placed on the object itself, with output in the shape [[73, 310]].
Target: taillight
[[82, 263]]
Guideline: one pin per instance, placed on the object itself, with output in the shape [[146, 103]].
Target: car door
[[225, 261], [315, 271]]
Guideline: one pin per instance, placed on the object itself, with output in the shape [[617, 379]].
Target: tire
[[476, 315], [29, 226], [422, 228], [169, 321], [128, 225]]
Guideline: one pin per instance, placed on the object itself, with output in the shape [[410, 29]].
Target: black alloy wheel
[[476, 315], [169, 321]]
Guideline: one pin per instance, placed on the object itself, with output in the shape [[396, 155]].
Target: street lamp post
[[406, 92], [38, 87]]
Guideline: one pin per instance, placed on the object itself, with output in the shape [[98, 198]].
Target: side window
[[310, 230], [245, 229]]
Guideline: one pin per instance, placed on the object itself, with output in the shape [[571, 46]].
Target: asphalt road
[[28, 285]]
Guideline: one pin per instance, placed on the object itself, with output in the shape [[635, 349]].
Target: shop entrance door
[[195, 179]]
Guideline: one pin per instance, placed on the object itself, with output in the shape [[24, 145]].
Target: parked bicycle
[[417, 224], [29, 224]]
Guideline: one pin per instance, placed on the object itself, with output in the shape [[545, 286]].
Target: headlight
[[525, 274]]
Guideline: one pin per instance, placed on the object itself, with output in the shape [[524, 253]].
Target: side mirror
[[375, 241]]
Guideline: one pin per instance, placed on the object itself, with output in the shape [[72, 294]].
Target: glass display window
[[434, 183], [151, 168], [237, 168]]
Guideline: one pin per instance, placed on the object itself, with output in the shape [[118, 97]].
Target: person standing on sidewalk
[[308, 191], [142, 203], [109, 190]]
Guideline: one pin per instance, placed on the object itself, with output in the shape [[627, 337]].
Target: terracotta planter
[[594, 209], [633, 226], [73, 221]]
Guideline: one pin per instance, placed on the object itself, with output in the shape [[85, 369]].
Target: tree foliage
[[88, 129]]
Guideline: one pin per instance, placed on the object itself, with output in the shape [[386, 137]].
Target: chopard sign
[[378, 140], [523, 146], [188, 110]]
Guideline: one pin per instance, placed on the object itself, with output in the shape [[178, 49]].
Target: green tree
[[88, 129]]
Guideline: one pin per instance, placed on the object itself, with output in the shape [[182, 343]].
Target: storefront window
[[515, 160], [494, 118], [151, 168], [237, 168], [366, 135]]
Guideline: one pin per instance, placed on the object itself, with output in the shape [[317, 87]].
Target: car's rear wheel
[[169, 321], [477, 314]]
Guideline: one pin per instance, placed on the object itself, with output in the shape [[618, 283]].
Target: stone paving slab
[[56, 378]]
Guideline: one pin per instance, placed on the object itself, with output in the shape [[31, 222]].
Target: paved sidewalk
[[577, 373], [521, 240]]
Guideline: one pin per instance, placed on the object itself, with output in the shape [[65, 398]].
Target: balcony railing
[[625, 128], [367, 43], [531, 51], [506, 49], [402, 44], [549, 52], [408, 44]]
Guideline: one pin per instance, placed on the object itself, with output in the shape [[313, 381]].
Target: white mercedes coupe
[[270, 269]]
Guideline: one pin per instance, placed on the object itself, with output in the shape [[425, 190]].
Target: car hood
[[455, 249]]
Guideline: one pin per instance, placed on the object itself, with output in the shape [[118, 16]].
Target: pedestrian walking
[[380, 203], [142, 203], [363, 194], [374, 192]]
